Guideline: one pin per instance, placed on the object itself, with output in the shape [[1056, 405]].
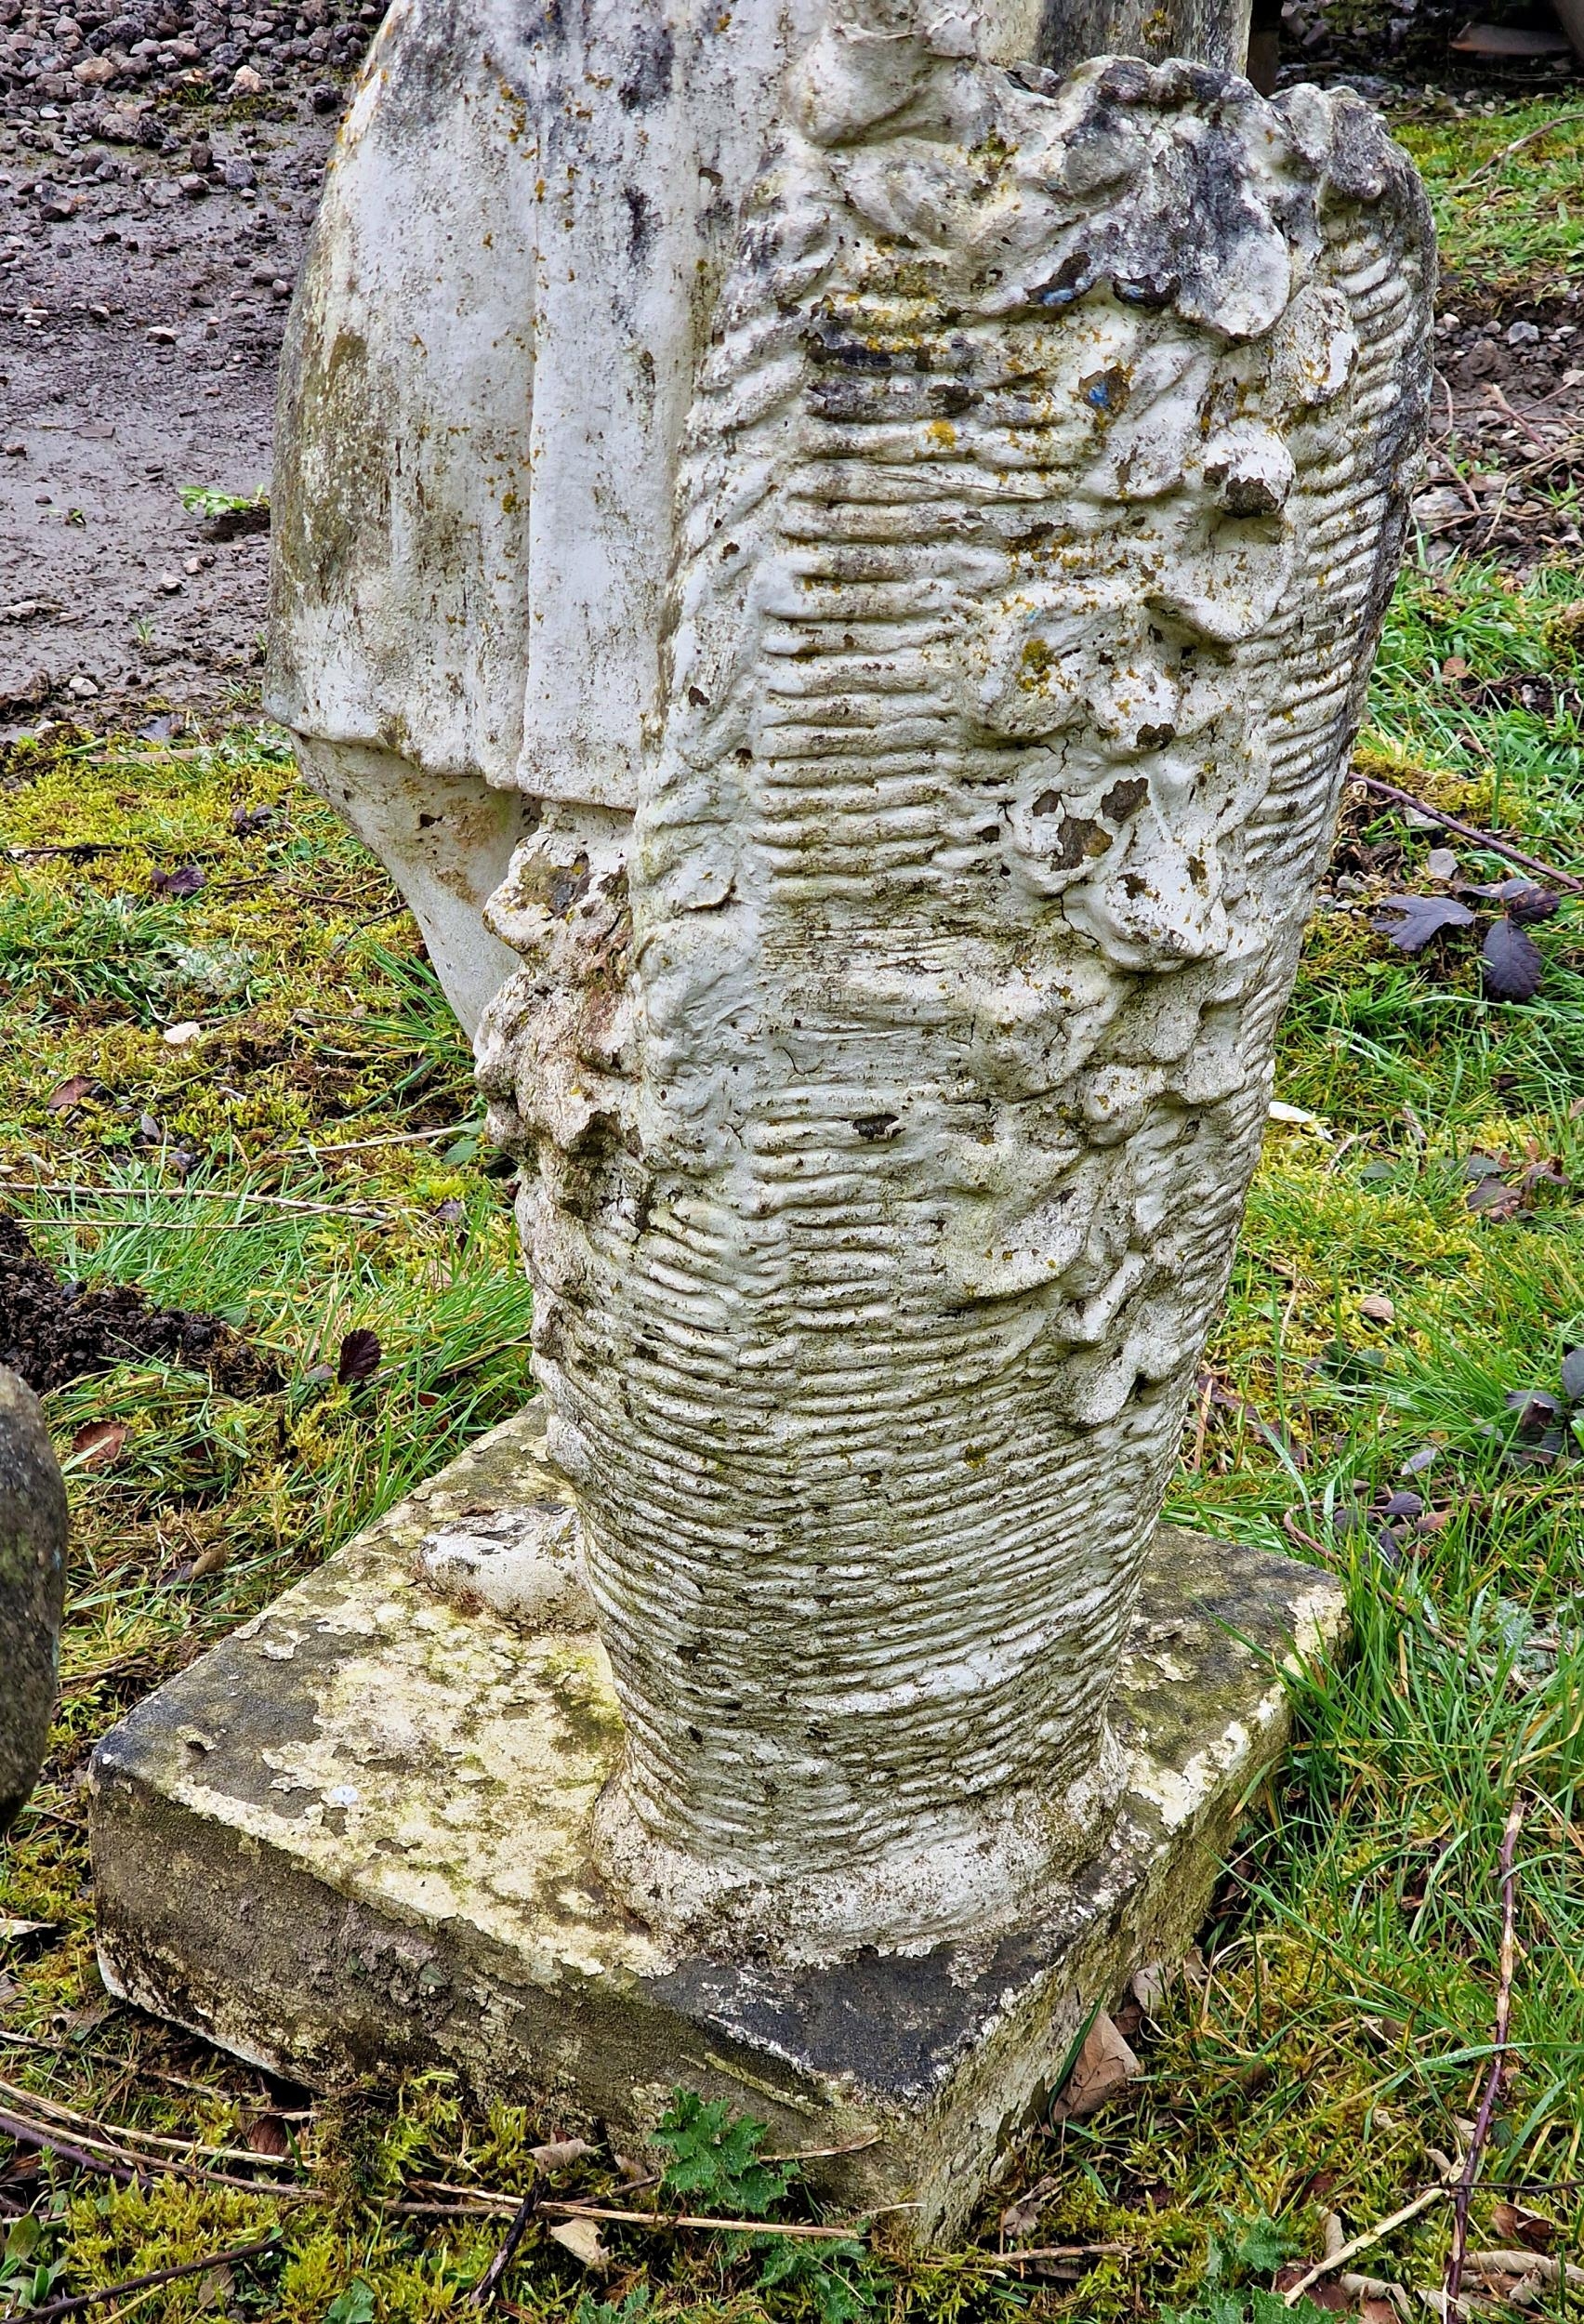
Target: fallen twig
[[1487, 840], [87, 2153], [79, 2300], [192, 1193], [687, 2219], [825, 2154], [1530, 137], [1464, 2193], [1546, 450], [999, 2261], [399, 1138], [33, 2134], [119, 2134], [484, 2291], [1333, 2260]]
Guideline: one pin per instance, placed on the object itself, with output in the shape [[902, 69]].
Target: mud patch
[[52, 1331]]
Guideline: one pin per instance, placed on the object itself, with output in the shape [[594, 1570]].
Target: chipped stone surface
[[904, 536], [888, 1095], [355, 1838], [494, 349]]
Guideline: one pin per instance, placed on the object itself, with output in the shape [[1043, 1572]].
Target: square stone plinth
[[352, 1840]]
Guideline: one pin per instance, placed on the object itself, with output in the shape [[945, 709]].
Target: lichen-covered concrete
[[356, 1837]]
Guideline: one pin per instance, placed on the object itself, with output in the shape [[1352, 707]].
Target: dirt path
[[152, 220], [160, 161]]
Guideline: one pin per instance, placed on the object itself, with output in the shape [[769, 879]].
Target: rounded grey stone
[[32, 1587]]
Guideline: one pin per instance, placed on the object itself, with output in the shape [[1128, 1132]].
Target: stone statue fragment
[[838, 568], [33, 1585], [897, 547], [889, 1095]]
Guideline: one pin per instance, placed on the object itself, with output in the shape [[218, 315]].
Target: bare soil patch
[[54, 1331], [153, 215]]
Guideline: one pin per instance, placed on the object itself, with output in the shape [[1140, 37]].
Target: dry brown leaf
[[1149, 1987], [97, 1443], [581, 2238], [70, 1093], [1020, 2219], [1105, 2066], [1377, 1307], [209, 1560], [1328, 2294], [1515, 2224], [561, 2153], [266, 2136]]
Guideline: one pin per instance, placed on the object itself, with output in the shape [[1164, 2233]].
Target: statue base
[[353, 1841]]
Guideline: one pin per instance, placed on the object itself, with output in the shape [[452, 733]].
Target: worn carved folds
[[892, 1087]]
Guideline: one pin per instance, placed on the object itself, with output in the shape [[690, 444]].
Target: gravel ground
[[159, 166]]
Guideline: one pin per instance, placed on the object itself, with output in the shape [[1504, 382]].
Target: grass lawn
[[1385, 1391]]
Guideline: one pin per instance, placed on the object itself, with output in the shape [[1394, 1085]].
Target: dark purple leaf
[[451, 1212], [358, 1358], [1534, 1409], [1513, 966], [1494, 1195], [185, 880], [246, 820], [1527, 903], [1573, 1374], [1404, 1505], [1411, 921], [1417, 1462]]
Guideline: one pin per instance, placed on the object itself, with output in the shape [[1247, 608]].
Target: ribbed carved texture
[[1044, 487]]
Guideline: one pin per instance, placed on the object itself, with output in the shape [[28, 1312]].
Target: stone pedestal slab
[[352, 1840]]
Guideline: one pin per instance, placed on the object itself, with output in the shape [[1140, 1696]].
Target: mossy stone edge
[[350, 1843]]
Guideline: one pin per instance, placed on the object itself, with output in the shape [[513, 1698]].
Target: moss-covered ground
[[307, 1162]]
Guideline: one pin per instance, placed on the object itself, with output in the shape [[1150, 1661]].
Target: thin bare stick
[[823, 2154], [122, 2133], [1530, 137], [191, 1194], [1546, 450], [32, 2134], [686, 2219], [1465, 2190], [80, 2300], [484, 2290], [398, 1138], [88, 2153], [999, 2262], [1487, 840], [1333, 2260]]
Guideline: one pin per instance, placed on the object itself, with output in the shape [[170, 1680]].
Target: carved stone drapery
[[888, 1097]]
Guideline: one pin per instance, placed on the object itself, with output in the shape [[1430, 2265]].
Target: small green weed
[[716, 2163], [715, 2158], [207, 500]]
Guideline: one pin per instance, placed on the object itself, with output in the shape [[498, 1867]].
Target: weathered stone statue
[[33, 1585], [868, 554]]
